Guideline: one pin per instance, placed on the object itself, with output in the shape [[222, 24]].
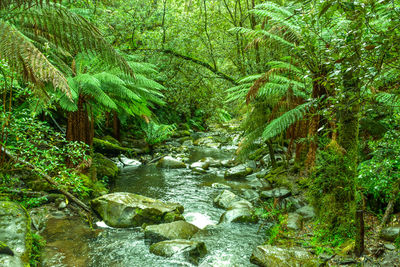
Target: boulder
[[238, 172], [171, 163], [111, 149], [294, 221], [272, 256], [250, 195], [191, 250], [275, 193], [220, 186], [226, 199], [130, 210], [15, 234], [307, 212], [242, 215], [390, 233], [203, 141], [104, 167], [168, 231], [212, 162], [200, 164]]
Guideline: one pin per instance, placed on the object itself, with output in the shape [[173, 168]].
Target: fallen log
[[47, 178]]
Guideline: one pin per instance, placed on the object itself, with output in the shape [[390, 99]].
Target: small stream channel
[[72, 243]]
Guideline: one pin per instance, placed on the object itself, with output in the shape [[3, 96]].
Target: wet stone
[[168, 231], [390, 233], [238, 172], [307, 212], [275, 193]]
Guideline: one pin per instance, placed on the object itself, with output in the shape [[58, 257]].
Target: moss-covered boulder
[[170, 163], [271, 256], [240, 212], [130, 210], [169, 231], [226, 198], [15, 235], [190, 250], [104, 167], [238, 172], [110, 149]]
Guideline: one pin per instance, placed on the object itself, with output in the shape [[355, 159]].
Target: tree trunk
[[116, 126], [79, 126]]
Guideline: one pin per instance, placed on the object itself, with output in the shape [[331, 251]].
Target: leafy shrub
[[157, 133]]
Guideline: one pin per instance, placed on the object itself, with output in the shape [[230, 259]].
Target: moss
[[104, 167], [172, 217], [5, 249], [38, 243], [109, 149]]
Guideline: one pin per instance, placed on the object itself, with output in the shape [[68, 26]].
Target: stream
[[70, 242]]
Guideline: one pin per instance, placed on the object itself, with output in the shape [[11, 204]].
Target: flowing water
[[227, 244]]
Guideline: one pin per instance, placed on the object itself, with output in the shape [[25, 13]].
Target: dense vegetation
[[319, 80]]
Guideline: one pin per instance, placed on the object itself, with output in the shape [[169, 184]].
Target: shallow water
[[227, 244]]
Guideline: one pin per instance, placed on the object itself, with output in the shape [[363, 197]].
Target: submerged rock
[[390, 233], [238, 172], [130, 210], [15, 234], [169, 231], [171, 163], [271, 256], [191, 250]]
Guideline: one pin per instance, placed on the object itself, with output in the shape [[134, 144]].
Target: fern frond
[[388, 99], [283, 122], [27, 60], [263, 33], [8, 4]]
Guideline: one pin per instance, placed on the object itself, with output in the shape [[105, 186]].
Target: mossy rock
[[105, 167], [111, 139], [110, 149], [15, 230], [6, 250]]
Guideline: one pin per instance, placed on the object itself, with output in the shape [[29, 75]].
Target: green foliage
[[380, 175], [37, 143], [272, 213], [157, 133], [38, 244], [331, 191]]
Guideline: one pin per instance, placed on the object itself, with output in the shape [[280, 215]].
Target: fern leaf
[[27, 60], [283, 122]]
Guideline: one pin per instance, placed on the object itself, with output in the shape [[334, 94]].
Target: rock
[[213, 145], [220, 186], [199, 170], [203, 141], [15, 234], [191, 250], [275, 193], [200, 164], [292, 203], [127, 162], [212, 162], [239, 214], [131, 210], [294, 221], [104, 167], [168, 231], [171, 163], [254, 183], [307, 212], [187, 143], [238, 172], [250, 195], [226, 199], [390, 246], [271, 256], [390, 233]]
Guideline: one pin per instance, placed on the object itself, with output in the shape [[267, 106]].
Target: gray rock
[[294, 221], [307, 212], [238, 172], [199, 170], [187, 143], [275, 193], [130, 210], [240, 212], [390, 233], [191, 250], [292, 203], [225, 199], [213, 145], [168, 231], [212, 162], [390, 246], [15, 232], [250, 195], [200, 164], [271, 256], [227, 163], [254, 183], [171, 163]]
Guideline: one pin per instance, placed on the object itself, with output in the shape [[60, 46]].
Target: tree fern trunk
[[116, 126], [79, 127]]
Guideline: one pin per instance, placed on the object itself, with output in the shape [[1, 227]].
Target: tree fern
[[283, 122]]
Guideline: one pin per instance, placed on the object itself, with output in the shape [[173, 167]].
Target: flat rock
[[241, 214], [191, 250], [170, 163], [238, 172], [307, 212], [15, 233], [390, 233], [169, 231], [276, 193], [200, 164], [130, 210], [271, 256]]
